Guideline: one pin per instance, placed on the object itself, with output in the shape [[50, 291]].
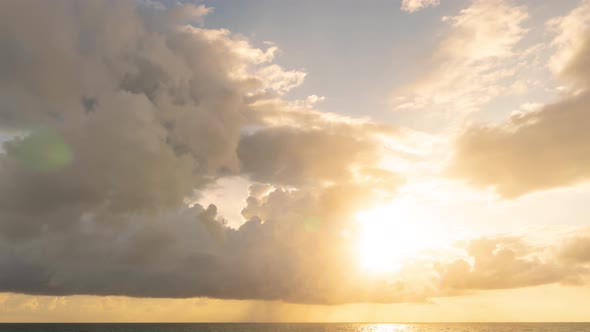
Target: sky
[[376, 161]]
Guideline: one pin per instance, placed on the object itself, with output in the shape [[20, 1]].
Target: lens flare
[[42, 150]]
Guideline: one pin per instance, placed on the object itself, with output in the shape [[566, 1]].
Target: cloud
[[510, 262], [125, 112], [412, 6], [570, 61], [297, 254], [294, 157], [541, 149], [577, 250], [187, 13], [498, 264], [469, 64], [535, 151]]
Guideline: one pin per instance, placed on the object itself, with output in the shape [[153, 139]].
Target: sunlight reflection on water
[[385, 328]]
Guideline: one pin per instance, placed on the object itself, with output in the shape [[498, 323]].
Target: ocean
[[295, 327]]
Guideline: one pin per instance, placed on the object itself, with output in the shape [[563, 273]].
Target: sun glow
[[391, 235]]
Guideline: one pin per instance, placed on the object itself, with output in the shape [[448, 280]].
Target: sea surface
[[297, 327]]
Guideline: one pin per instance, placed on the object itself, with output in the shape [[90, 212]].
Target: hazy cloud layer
[[570, 61], [503, 263], [470, 64], [544, 148], [534, 151]]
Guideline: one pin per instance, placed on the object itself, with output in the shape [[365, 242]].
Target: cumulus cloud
[[544, 148], [124, 112], [297, 254], [292, 157]]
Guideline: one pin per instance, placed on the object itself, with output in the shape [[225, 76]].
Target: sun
[[390, 235]]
